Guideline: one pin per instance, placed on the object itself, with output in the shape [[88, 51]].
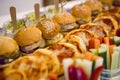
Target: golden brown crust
[[52, 60], [64, 18], [81, 33], [49, 28], [31, 67], [62, 51], [7, 46], [98, 29], [94, 5], [82, 12], [108, 22], [28, 36], [15, 75], [76, 41]]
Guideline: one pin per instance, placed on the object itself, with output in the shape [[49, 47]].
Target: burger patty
[[67, 27], [30, 48], [4, 60], [8, 58]]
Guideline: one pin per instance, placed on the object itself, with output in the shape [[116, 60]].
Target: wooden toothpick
[[56, 3], [13, 17], [37, 13]]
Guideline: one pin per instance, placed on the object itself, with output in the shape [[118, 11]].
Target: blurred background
[[48, 2], [21, 5]]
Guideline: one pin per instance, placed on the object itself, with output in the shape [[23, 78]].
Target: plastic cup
[[113, 74]]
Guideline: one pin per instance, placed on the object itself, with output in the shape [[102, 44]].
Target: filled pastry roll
[[97, 29], [108, 22]]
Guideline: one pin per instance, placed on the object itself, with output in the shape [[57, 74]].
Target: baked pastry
[[108, 22], [95, 5], [82, 13], [114, 12], [97, 29], [27, 68], [62, 51], [79, 38], [15, 75]]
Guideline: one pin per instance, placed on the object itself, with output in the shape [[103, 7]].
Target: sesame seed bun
[[49, 28], [64, 18], [82, 12]]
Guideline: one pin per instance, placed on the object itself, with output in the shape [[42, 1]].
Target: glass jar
[[110, 74]]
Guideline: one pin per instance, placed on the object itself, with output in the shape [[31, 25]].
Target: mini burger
[[27, 68], [66, 21], [9, 51], [95, 5], [79, 38], [107, 4], [114, 13], [82, 13], [29, 39], [53, 63], [50, 31]]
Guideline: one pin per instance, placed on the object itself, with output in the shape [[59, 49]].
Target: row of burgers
[[60, 46]]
